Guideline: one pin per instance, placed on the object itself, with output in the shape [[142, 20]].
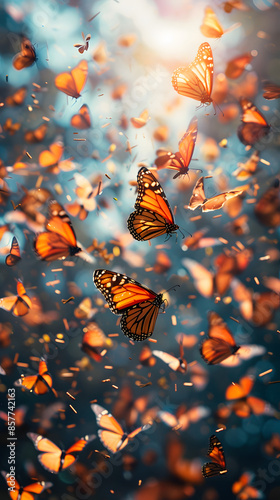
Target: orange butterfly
[[53, 458], [236, 66], [218, 464], [29, 492], [86, 198], [11, 127], [138, 305], [153, 216], [179, 161], [19, 304], [176, 364], [220, 344], [73, 83], [85, 309], [246, 405], [14, 255], [26, 57], [254, 126], [50, 158], [37, 135], [40, 383], [234, 4], [211, 27], [271, 91], [111, 434], [267, 208], [82, 120], [196, 80], [246, 170], [141, 120], [17, 99], [199, 200], [94, 342], [59, 241], [244, 490]]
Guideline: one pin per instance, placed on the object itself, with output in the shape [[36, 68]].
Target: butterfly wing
[[26, 57], [167, 358], [13, 484], [203, 278], [29, 491], [72, 83], [111, 435], [198, 195], [211, 28], [254, 126], [236, 66], [72, 454], [220, 344], [216, 453], [186, 147], [196, 80], [14, 255], [82, 120], [271, 91], [50, 459]]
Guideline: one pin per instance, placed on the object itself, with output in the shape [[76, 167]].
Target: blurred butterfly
[[26, 57], [254, 126], [40, 383], [86, 201], [179, 161], [53, 458], [36, 135], [73, 83], [14, 256], [84, 47], [17, 99], [176, 364], [29, 492], [139, 122], [111, 434], [211, 27], [81, 121], [236, 66], [127, 40], [196, 80], [267, 208], [85, 309], [50, 158], [32, 202], [246, 405], [247, 169], [94, 342], [19, 416], [153, 216], [19, 304], [146, 357], [271, 91], [218, 464], [199, 200], [11, 127], [138, 305], [197, 240], [184, 417], [220, 343], [244, 490], [234, 4], [59, 239]]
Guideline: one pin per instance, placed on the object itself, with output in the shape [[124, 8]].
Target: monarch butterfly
[[14, 255], [153, 216], [199, 200], [17, 99], [271, 91], [211, 27], [19, 304], [220, 345], [26, 57], [246, 405], [37, 135], [18, 492], [180, 161], [81, 120], [73, 83], [111, 433], [94, 341], [146, 357], [53, 458], [138, 305], [59, 241], [216, 453], [40, 383], [244, 489], [184, 417], [254, 126], [236, 66], [267, 208], [196, 80], [176, 364]]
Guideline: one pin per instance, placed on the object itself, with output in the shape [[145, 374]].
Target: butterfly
[[141, 120], [59, 239], [216, 453], [211, 27], [53, 458], [86, 201], [220, 344], [81, 121], [19, 304], [236, 66], [267, 208], [196, 80], [271, 91], [18, 492], [11, 127], [94, 342], [153, 216], [234, 4], [84, 46], [111, 434], [73, 83], [246, 405], [17, 99], [138, 305], [26, 57], [85, 309], [246, 170], [36, 135], [50, 158], [198, 198], [40, 383], [179, 161], [254, 126], [176, 364], [14, 255], [244, 490]]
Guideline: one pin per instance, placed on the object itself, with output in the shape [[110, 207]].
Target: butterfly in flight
[[53, 458], [83, 47], [196, 80], [17, 99], [14, 256], [36, 135], [138, 305], [179, 161], [40, 383], [111, 433], [218, 464], [73, 83], [26, 57], [245, 405], [236, 66], [271, 91], [177, 364], [59, 239], [211, 27], [19, 304], [254, 125], [29, 492], [220, 344], [81, 120], [94, 342], [153, 216], [198, 198]]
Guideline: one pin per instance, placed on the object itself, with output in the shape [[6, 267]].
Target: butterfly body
[[216, 453]]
